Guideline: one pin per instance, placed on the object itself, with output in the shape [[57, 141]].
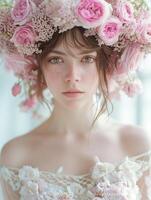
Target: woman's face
[[68, 71]]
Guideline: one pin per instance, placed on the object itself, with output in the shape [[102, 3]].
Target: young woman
[[79, 152]]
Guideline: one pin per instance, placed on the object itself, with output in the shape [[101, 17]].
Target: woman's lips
[[73, 94]]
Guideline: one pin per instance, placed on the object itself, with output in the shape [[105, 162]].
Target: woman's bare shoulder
[[16, 150], [11, 152], [134, 139]]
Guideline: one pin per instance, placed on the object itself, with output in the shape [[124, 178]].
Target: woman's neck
[[69, 123]]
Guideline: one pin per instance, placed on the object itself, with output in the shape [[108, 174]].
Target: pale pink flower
[[15, 62], [22, 66], [24, 36], [115, 192], [109, 32], [143, 31], [21, 11], [28, 173], [104, 191], [28, 104], [132, 88], [16, 90], [30, 186], [124, 10], [92, 13], [130, 60]]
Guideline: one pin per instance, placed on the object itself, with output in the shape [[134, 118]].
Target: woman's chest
[[76, 157]]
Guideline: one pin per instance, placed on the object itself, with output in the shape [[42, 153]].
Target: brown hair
[[103, 61]]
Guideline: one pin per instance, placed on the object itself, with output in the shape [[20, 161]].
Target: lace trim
[[11, 177], [135, 166], [143, 162], [143, 155]]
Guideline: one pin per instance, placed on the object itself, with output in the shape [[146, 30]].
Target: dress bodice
[[105, 181]]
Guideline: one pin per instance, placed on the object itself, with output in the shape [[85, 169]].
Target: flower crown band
[[116, 23], [124, 25]]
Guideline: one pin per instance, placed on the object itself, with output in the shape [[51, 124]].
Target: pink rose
[[109, 32], [21, 11], [16, 89], [24, 36], [133, 88], [143, 31], [124, 10], [130, 59], [92, 13]]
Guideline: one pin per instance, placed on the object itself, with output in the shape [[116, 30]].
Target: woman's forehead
[[71, 50]]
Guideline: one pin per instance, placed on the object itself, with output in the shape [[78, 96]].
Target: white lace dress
[[105, 181]]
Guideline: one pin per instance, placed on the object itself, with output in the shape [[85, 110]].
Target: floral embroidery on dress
[[112, 183], [10, 177], [106, 181], [33, 187], [102, 191]]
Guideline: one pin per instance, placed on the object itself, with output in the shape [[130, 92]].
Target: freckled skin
[[71, 72]]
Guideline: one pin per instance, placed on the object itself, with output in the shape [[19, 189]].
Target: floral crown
[[124, 25]]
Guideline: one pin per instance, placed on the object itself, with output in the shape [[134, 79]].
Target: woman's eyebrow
[[57, 52], [62, 53]]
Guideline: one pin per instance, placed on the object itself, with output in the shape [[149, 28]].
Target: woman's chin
[[73, 104], [77, 102]]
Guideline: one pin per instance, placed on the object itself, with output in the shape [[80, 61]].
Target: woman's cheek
[[94, 78], [52, 80], [53, 76], [52, 73]]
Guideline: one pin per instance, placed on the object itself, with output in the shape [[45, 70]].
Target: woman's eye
[[55, 60], [89, 59]]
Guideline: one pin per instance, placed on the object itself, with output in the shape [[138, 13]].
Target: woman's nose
[[72, 74]]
